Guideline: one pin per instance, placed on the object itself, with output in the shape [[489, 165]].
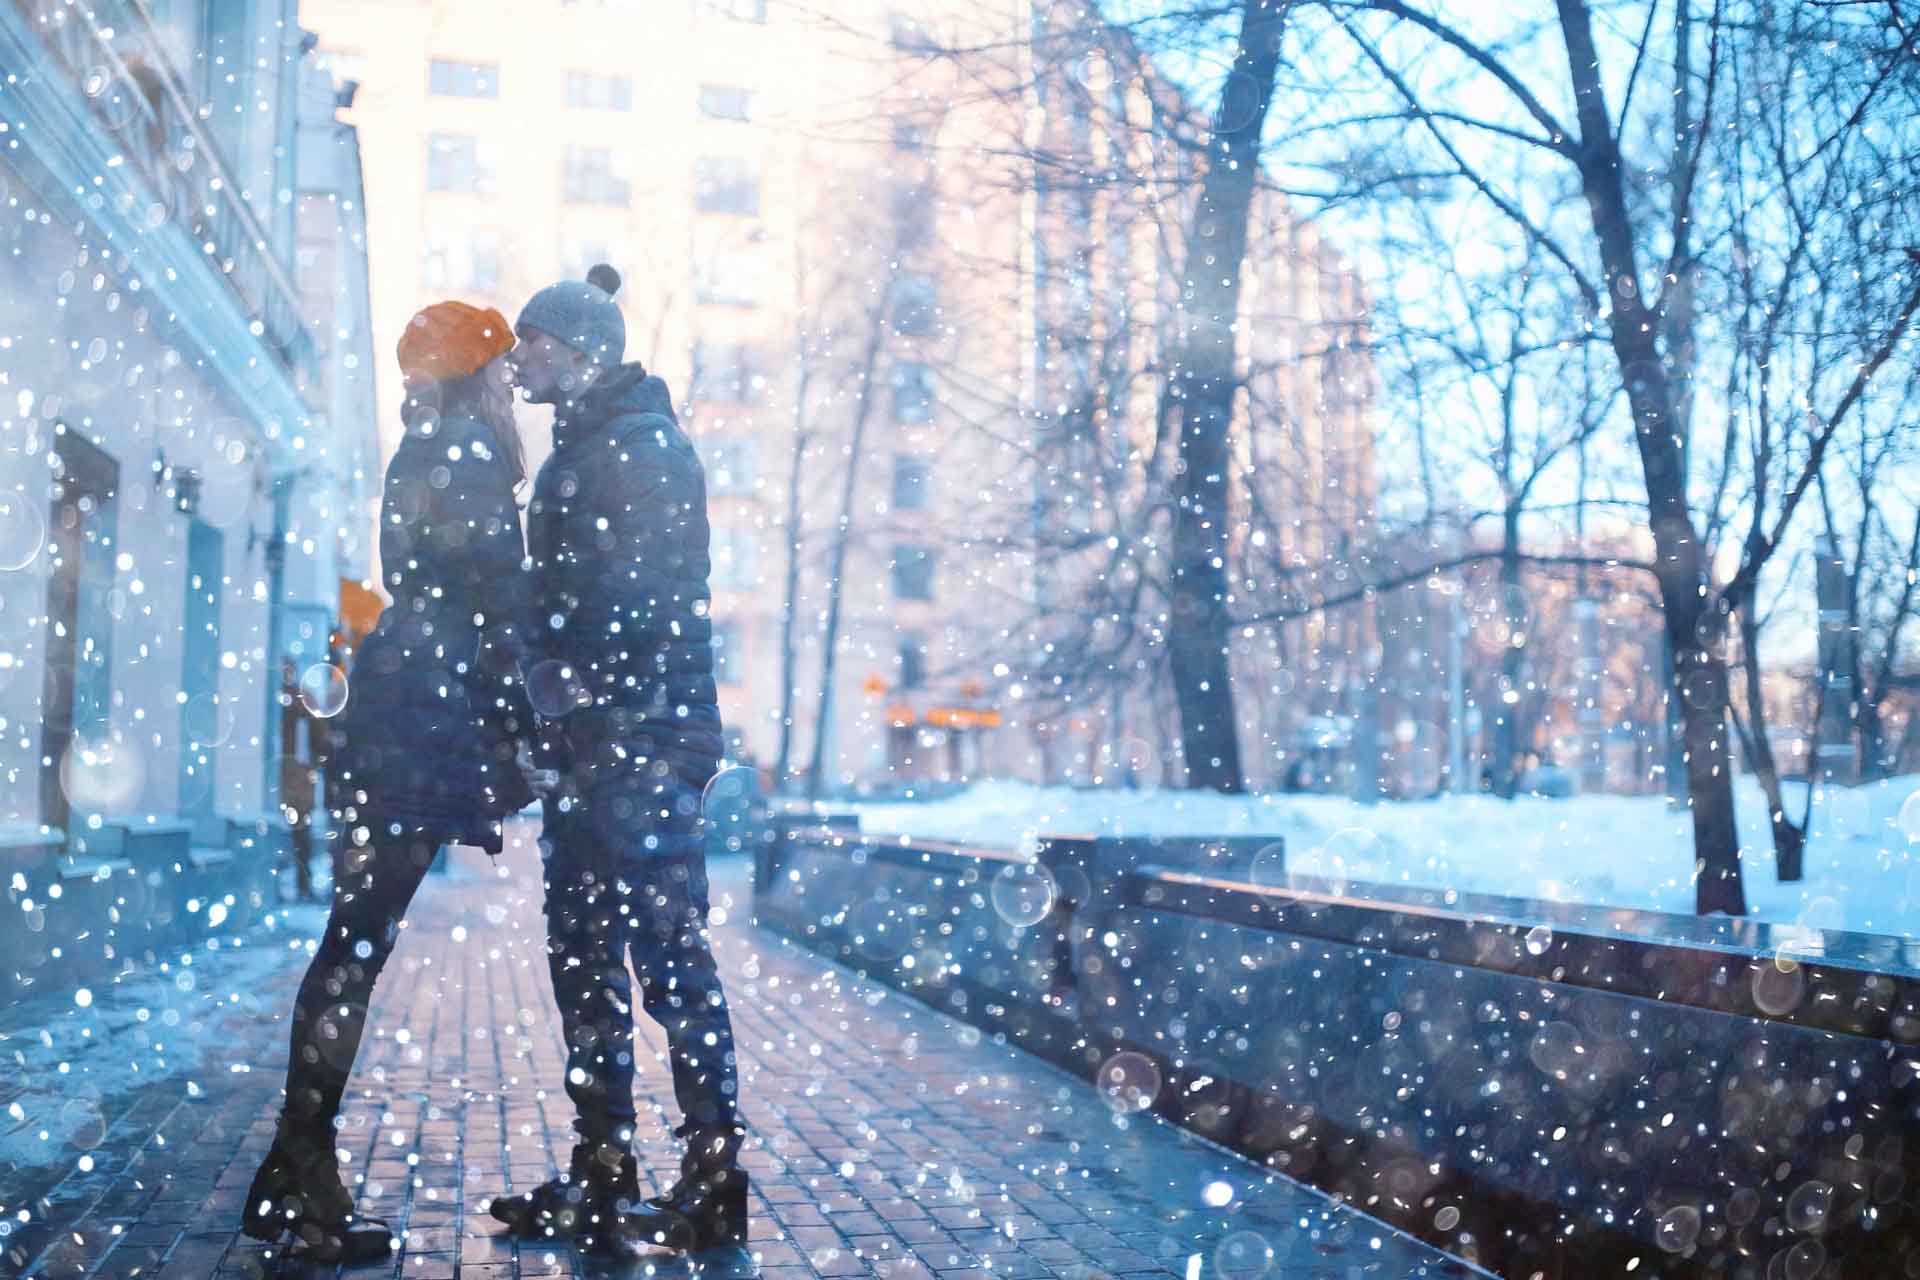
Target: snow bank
[[1862, 864]]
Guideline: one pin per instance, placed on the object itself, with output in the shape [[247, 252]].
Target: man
[[617, 529]]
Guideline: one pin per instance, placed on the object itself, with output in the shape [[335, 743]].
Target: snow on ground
[[75, 1056], [1862, 864]]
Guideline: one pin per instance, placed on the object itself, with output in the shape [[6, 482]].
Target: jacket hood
[[626, 389]]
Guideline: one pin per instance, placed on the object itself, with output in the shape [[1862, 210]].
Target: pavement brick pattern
[[890, 1140]]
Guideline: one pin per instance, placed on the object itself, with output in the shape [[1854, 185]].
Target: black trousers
[[601, 912], [373, 886]]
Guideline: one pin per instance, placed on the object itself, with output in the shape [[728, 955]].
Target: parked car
[[1548, 780]]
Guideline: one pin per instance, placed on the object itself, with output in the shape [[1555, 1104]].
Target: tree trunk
[[1506, 735], [1885, 762], [1700, 677], [830, 640], [789, 658], [1789, 841], [1200, 396]]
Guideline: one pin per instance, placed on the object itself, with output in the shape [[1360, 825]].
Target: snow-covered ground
[[74, 1057], [1862, 865]]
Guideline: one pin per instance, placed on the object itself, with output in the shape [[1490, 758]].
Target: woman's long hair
[[486, 397]]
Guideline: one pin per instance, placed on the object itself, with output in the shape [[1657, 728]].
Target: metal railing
[[116, 55]]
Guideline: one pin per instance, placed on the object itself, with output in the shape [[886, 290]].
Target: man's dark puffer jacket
[[618, 533]]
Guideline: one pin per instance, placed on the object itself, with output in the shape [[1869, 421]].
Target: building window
[[913, 215], [736, 559], [726, 184], [590, 92], [474, 265], [916, 306], [592, 177], [912, 392], [913, 660], [730, 463], [456, 162], [463, 79], [912, 483], [728, 278], [726, 102], [483, 263], [912, 571], [435, 265], [727, 373], [727, 664], [739, 10]]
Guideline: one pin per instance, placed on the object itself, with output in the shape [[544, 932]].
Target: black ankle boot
[[297, 1192], [601, 1182], [705, 1209]]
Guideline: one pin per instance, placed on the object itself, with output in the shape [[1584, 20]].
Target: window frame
[[709, 108], [753, 11], [911, 376], [444, 79], [920, 467], [915, 317], [443, 149], [737, 195], [600, 183], [597, 91], [911, 571]]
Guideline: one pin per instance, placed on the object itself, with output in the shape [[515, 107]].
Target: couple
[[441, 741]]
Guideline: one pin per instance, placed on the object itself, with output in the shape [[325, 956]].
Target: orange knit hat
[[451, 340]]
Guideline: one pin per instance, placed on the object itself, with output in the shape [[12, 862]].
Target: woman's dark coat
[[433, 717]]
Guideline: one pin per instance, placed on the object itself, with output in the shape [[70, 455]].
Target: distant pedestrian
[[428, 739], [300, 745]]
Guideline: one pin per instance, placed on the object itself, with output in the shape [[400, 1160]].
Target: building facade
[[177, 447]]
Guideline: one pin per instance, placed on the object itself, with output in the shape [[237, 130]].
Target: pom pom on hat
[[605, 278]]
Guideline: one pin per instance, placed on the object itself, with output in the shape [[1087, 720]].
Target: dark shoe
[[601, 1182], [705, 1209], [297, 1192]]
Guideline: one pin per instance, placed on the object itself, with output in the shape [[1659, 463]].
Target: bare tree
[[1637, 212], [1199, 397]]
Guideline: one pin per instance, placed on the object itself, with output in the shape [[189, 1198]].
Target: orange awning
[[963, 717], [360, 609]]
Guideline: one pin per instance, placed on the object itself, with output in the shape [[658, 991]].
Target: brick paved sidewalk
[[889, 1139]]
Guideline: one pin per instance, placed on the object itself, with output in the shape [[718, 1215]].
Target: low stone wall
[[1544, 1090], [126, 896]]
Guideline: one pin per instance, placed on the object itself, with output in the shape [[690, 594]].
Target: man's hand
[[542, 782]]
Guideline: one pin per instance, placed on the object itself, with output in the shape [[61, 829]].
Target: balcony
[[115, 55]]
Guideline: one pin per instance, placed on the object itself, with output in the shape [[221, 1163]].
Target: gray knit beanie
[[582, 314]]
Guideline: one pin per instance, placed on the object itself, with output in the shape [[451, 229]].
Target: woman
[[428, 739]]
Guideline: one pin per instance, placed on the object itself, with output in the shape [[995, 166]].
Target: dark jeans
[[372, 888], [655, 911]]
